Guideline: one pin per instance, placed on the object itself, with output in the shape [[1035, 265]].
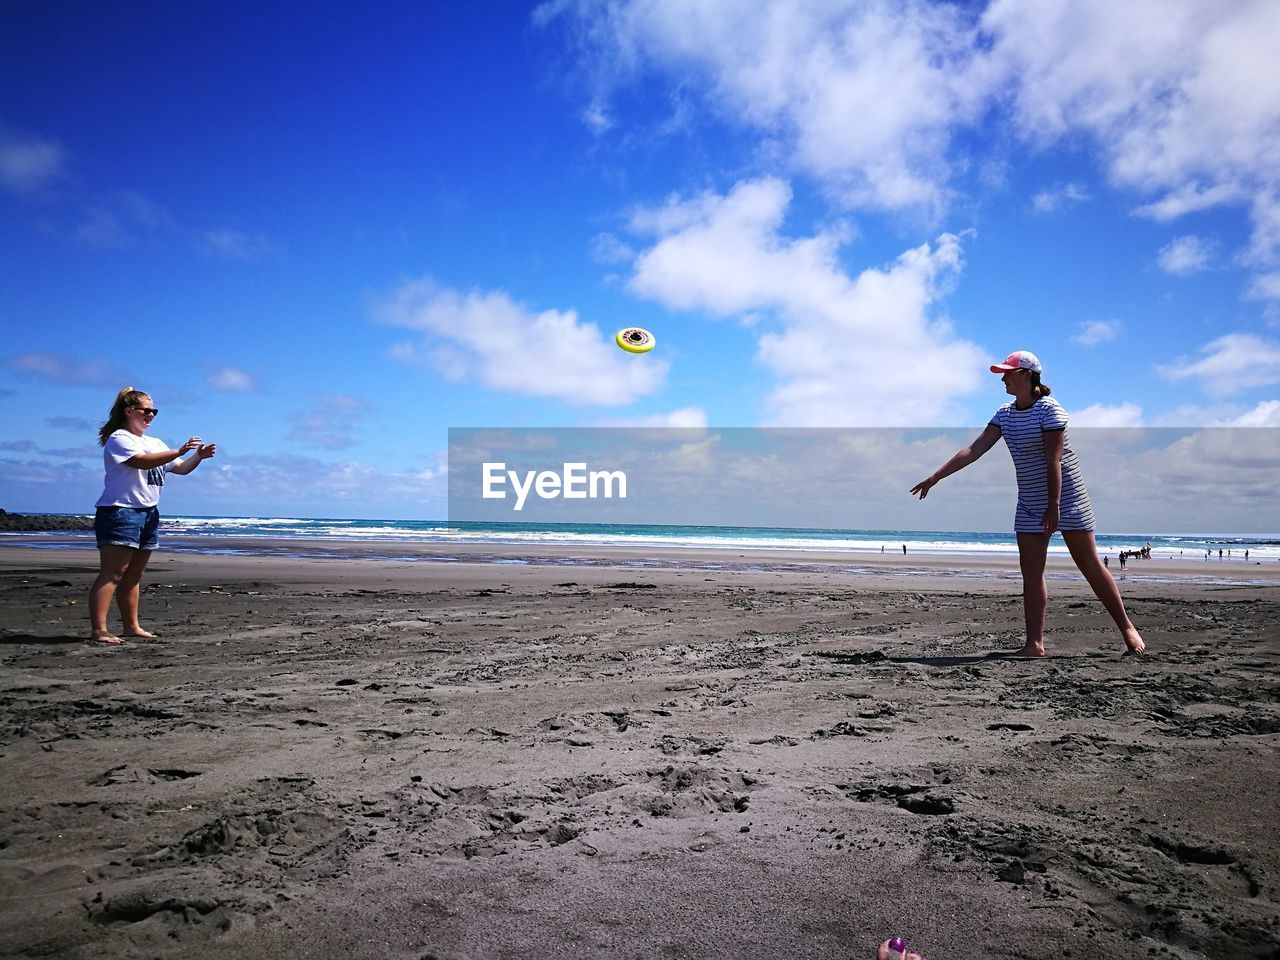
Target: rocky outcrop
[[43, 521]]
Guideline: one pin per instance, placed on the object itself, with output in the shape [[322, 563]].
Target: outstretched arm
[[203, 452], [148, 461], [961, 460]]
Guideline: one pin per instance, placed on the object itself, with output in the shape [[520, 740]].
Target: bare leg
[[1084, 552], [129, 591], [1032, 550], [113, 563]]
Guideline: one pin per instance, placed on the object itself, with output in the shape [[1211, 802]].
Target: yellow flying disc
[[635, 340]]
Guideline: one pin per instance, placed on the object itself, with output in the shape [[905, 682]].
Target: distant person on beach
[[1123, 557], [128, 518], [904, 549], [1051, 495]]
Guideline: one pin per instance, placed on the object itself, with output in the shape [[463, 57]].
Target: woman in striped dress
[[1051, 495]]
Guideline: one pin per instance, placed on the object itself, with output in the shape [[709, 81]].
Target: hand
[[190, 445], [1051, 520], [923, 487], [206, 450]]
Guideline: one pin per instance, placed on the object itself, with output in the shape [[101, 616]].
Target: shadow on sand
[[16, 638], [990, 657], [876, 656]]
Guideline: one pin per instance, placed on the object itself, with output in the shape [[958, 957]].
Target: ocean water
[[219, 535]]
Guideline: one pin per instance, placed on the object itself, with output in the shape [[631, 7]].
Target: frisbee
[[635, 340]]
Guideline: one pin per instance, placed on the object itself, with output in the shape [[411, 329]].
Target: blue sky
[[322, 234]]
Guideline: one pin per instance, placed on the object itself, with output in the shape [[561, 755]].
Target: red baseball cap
[[1018, 360]]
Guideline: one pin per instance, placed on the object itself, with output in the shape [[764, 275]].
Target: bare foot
[[139, 632], [1133, 641], [1030, 650], [895, 949], [102, 636]]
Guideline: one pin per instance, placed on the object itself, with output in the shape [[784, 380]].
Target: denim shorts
[[136, 527]]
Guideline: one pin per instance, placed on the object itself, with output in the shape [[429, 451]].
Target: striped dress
[[1023, 432]]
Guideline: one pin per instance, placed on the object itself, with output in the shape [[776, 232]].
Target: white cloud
[[1178, 99], [299, 485], [863, 95], [1264, 246], [1062, 195], [1179, 96], [1189, 198], [1196, 415], [123, 219], [504, 345], [1265, 414], [685, 418], [1184, 255], [234, 244], [1265, 286], [1108, 415], [29, 162], [230, 379], [127, 218], [1208, 479], [597, 119], [24, 478], [79, 424], [1230, 364], [64, 370], [246, 484], [1094, 332], [84, 453], [330, 423], [724, 253], [607, 248], [1266, 220], [693, 418], [846, 349]]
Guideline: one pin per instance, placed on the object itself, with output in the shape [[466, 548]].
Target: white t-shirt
[[128, 486]]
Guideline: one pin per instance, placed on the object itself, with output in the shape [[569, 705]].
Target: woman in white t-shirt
[[1051, 495], [128, 518]]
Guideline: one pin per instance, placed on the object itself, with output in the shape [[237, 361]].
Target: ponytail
[[1040, 389], [126, 399]]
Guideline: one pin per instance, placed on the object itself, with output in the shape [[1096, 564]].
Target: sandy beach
[[689, 756]]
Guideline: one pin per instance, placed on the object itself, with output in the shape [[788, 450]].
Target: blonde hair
[[126, 399], [1041, 389]]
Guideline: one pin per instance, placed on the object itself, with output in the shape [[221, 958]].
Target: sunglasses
[[147, 411]]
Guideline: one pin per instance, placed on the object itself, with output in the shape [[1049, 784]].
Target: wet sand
[[707, 756]]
